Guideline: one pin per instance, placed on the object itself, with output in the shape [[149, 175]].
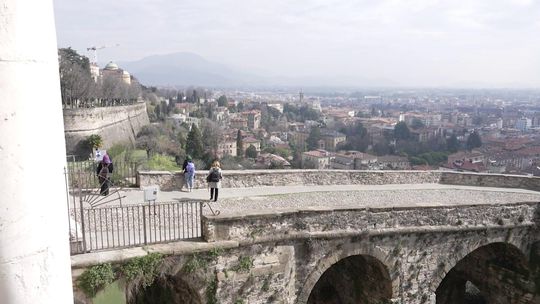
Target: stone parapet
[[169, 181], [332, 223], [491, 180]]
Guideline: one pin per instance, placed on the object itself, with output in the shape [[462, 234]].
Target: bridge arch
[[373, 258], [448, 263], [167, 289], [488, 269]]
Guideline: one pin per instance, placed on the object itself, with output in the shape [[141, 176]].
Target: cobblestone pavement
[[261, 199]]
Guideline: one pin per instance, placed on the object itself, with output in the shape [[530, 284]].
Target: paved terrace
[[270, 199]]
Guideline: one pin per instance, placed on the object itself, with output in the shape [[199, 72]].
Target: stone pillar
[[35, 264]]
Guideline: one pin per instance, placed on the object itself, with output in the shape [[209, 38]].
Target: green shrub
[[143, 270], [194, 263], [162, 162], [244, 264], [95, 278]]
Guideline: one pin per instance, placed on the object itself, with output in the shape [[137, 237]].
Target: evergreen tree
[[222, 101], [239, 144], [474, 141], [251, 151], [313, 138], [452, 144], [401, 131], [194, 144]]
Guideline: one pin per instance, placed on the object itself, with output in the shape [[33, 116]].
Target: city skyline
[[393, 43]]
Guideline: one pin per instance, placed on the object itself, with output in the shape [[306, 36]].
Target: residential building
[[393, 162], [316, 159], [226, 148], [332, 139], [253, 119], [523, 124], [352, 160], [251, 141], [239, 123]]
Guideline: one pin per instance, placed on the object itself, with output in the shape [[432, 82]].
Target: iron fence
[[114, 227], [83, 174]]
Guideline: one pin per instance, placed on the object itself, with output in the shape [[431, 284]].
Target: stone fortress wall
[[114, 124]]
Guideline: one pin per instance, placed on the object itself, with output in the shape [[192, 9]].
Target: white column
[[34, 247]]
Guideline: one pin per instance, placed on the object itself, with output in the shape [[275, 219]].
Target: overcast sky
[[412, 43]]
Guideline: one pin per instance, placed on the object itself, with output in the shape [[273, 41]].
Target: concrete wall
[[114, 124]]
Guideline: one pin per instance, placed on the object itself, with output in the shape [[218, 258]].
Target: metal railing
[[114, 227], [83, 174]]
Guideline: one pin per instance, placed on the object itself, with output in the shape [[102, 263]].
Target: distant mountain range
[[184, 69]]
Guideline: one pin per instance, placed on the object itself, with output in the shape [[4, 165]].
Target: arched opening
[[495, 273], [168, 289], [356, 279]]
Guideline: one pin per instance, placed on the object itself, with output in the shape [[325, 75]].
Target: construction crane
[[96, 48]]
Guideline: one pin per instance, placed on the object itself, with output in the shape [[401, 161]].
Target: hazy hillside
[[186, 69]]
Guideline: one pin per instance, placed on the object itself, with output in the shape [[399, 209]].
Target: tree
[[222, 101], [251, 151], [147, 139], [452, 144], [474, 141], [94, 141], [212, 134], [194, 144], [76, 82], [417, 124], [381, 148], [313, 138], [401, 131], [239, 144]]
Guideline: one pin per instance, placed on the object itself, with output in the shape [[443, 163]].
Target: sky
[[427, 43]]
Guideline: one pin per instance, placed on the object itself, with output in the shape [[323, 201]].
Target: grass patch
[[244, 264], [194, 263], [162, 163]]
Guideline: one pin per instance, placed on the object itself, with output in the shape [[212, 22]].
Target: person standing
[[105, 160], [214, 180], [103, 178], [189, 173]]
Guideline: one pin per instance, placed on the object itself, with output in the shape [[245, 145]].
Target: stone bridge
[[445, 238]]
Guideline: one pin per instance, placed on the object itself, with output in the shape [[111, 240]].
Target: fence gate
[[99, 219]]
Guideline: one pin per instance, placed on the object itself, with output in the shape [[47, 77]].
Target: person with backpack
[[103, 178], [106, 160], [214, 180], [189, 173]]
